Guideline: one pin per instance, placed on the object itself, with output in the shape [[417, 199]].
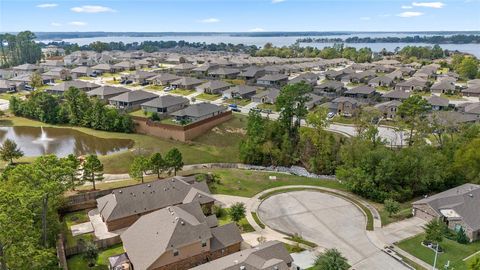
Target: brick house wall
[[425, 212]]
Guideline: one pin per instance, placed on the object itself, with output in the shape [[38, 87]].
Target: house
[[213, 87], [240, 91], [106, 92], [25, 69], [198, 112], [251, 74], [384, 68], [437, 103], [413, 84], [26, 78], [139, 76], [389, 108], [58, 73], [269, 255], [396, 95], [457, 207], [131, 100], [472, 91], [443, 87], [313, 100], [382, 81], [308, 78], [471, 109], [361, 92], [406, 71], [330, 89], [60, 88], [334, 75], [203, 70], [82, 71], [7, 86], [361, 77], [224, 73], [183, 68], [124, 65], [345, 106], [178, 238], [268, 96], [163, 79], [473, 83], [277, 80], [164, 105], [103, 68], [124, 206], [186, 83]]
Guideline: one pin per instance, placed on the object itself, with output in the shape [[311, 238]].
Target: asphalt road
[[330, 222]]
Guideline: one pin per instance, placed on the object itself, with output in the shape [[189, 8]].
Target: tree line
[[19, 49], [74, 108], [155, 163], [437, 39], [365, 163]]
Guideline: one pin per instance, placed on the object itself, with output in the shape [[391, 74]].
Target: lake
[[277, 41], [37, 141]]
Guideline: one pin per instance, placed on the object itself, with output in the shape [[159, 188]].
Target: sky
[[238, 16]]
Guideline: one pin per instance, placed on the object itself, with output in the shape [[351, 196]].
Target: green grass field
[[217, 145], [71, 219], [77, 262], [238, 101], [453, 251], [208, 97], [183, 92], [243, 224], [155, 87]]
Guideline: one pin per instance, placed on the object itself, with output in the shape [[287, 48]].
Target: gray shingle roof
[[107, 90], [213, 85], [199, 109], [165, 101], [242, 89], [273, 77], [147, 197], [398, 94], [437, 101], [133, 96], [64, 86], [363, 89]]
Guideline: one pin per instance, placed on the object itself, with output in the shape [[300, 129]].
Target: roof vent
[[242, 267], [149, 185], [164, 189], [120, 191], [182, 222], [470, 195], [173, 179]]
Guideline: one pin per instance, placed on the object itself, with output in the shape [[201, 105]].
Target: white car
[[330, 115]]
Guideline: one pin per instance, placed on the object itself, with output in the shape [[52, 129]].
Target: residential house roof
[[184, 66], [362, 89], [187, 81], [26, 67], [413, 82], [213, 85], [104, 67], [133, 96], [64, 86], [251, 71], [165, 101], [397, 94], [199, 110], [107, 90], [81, 69], [443, 85], [242, 89], [164, 77], [269, 255], [437, 101], [143, 198], [273, 77], [383, 79], [271, 93], [224, 71]]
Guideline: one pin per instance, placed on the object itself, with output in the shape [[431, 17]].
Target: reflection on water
[[36, 141]]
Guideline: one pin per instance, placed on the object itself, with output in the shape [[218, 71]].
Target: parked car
[[330, 115], [235, 109], [233, 106]]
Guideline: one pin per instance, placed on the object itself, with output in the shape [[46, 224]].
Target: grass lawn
[[472, 259], [86, 78], [452, 97], [382, 88], [141, 113], [405, 212], [343, 120], [238, 101], [351, 84], [217, 145], [299, 239], [293, 248], [453, 251], [235, 81], [71, 219], [110, 75], [257, 220], [247, 183], [183, 92], [265, 106], [77, 262], [209, 97], [155, 87], [243, 224]]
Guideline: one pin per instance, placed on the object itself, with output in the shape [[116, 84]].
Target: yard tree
[[36, 80], [10, 151], [291, 104], [157, 163], [413, 111], [237, 212], [467, 68], [174, 160], [461, 236], [391, 206], [255, 137], [331, 259], [467, 160], [91, 254], [92, 169], [139, 167], [72, 166], [435, 231], [76, 104]]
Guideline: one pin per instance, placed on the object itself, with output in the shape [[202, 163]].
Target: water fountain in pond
[[43, 137]]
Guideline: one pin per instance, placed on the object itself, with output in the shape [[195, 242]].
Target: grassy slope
[[454, 252], [219, 145]]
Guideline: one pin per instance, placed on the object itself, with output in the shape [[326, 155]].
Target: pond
[[37, 141]]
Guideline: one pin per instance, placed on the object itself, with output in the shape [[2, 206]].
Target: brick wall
[[177, 132]]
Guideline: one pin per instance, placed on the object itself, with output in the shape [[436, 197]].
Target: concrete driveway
[[330, 222]]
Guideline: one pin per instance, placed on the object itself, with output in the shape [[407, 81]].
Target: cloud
[[277, 1], [428, 4], [55, 24], [256, 29], [210, 20], [77, 23], [92, 9], [384, 15], [47, 5], [409, 14], [406, 7], [365, 18]]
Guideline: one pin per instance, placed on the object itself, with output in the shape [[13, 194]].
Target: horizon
[[215, 16]]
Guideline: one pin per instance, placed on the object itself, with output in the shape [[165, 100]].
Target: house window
[[175, 252]]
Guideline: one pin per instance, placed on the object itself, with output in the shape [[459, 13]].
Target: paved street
[[328, 221]]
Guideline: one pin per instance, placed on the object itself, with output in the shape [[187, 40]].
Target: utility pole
[[436, 254]]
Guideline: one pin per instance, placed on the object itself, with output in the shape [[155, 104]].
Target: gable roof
[[107, 90], [199, 109], [212, 85], [363, 89], [273, 77], [187, 81], [64, 86], [242, 89], [437, 101], [397, 94], [132, 96]]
